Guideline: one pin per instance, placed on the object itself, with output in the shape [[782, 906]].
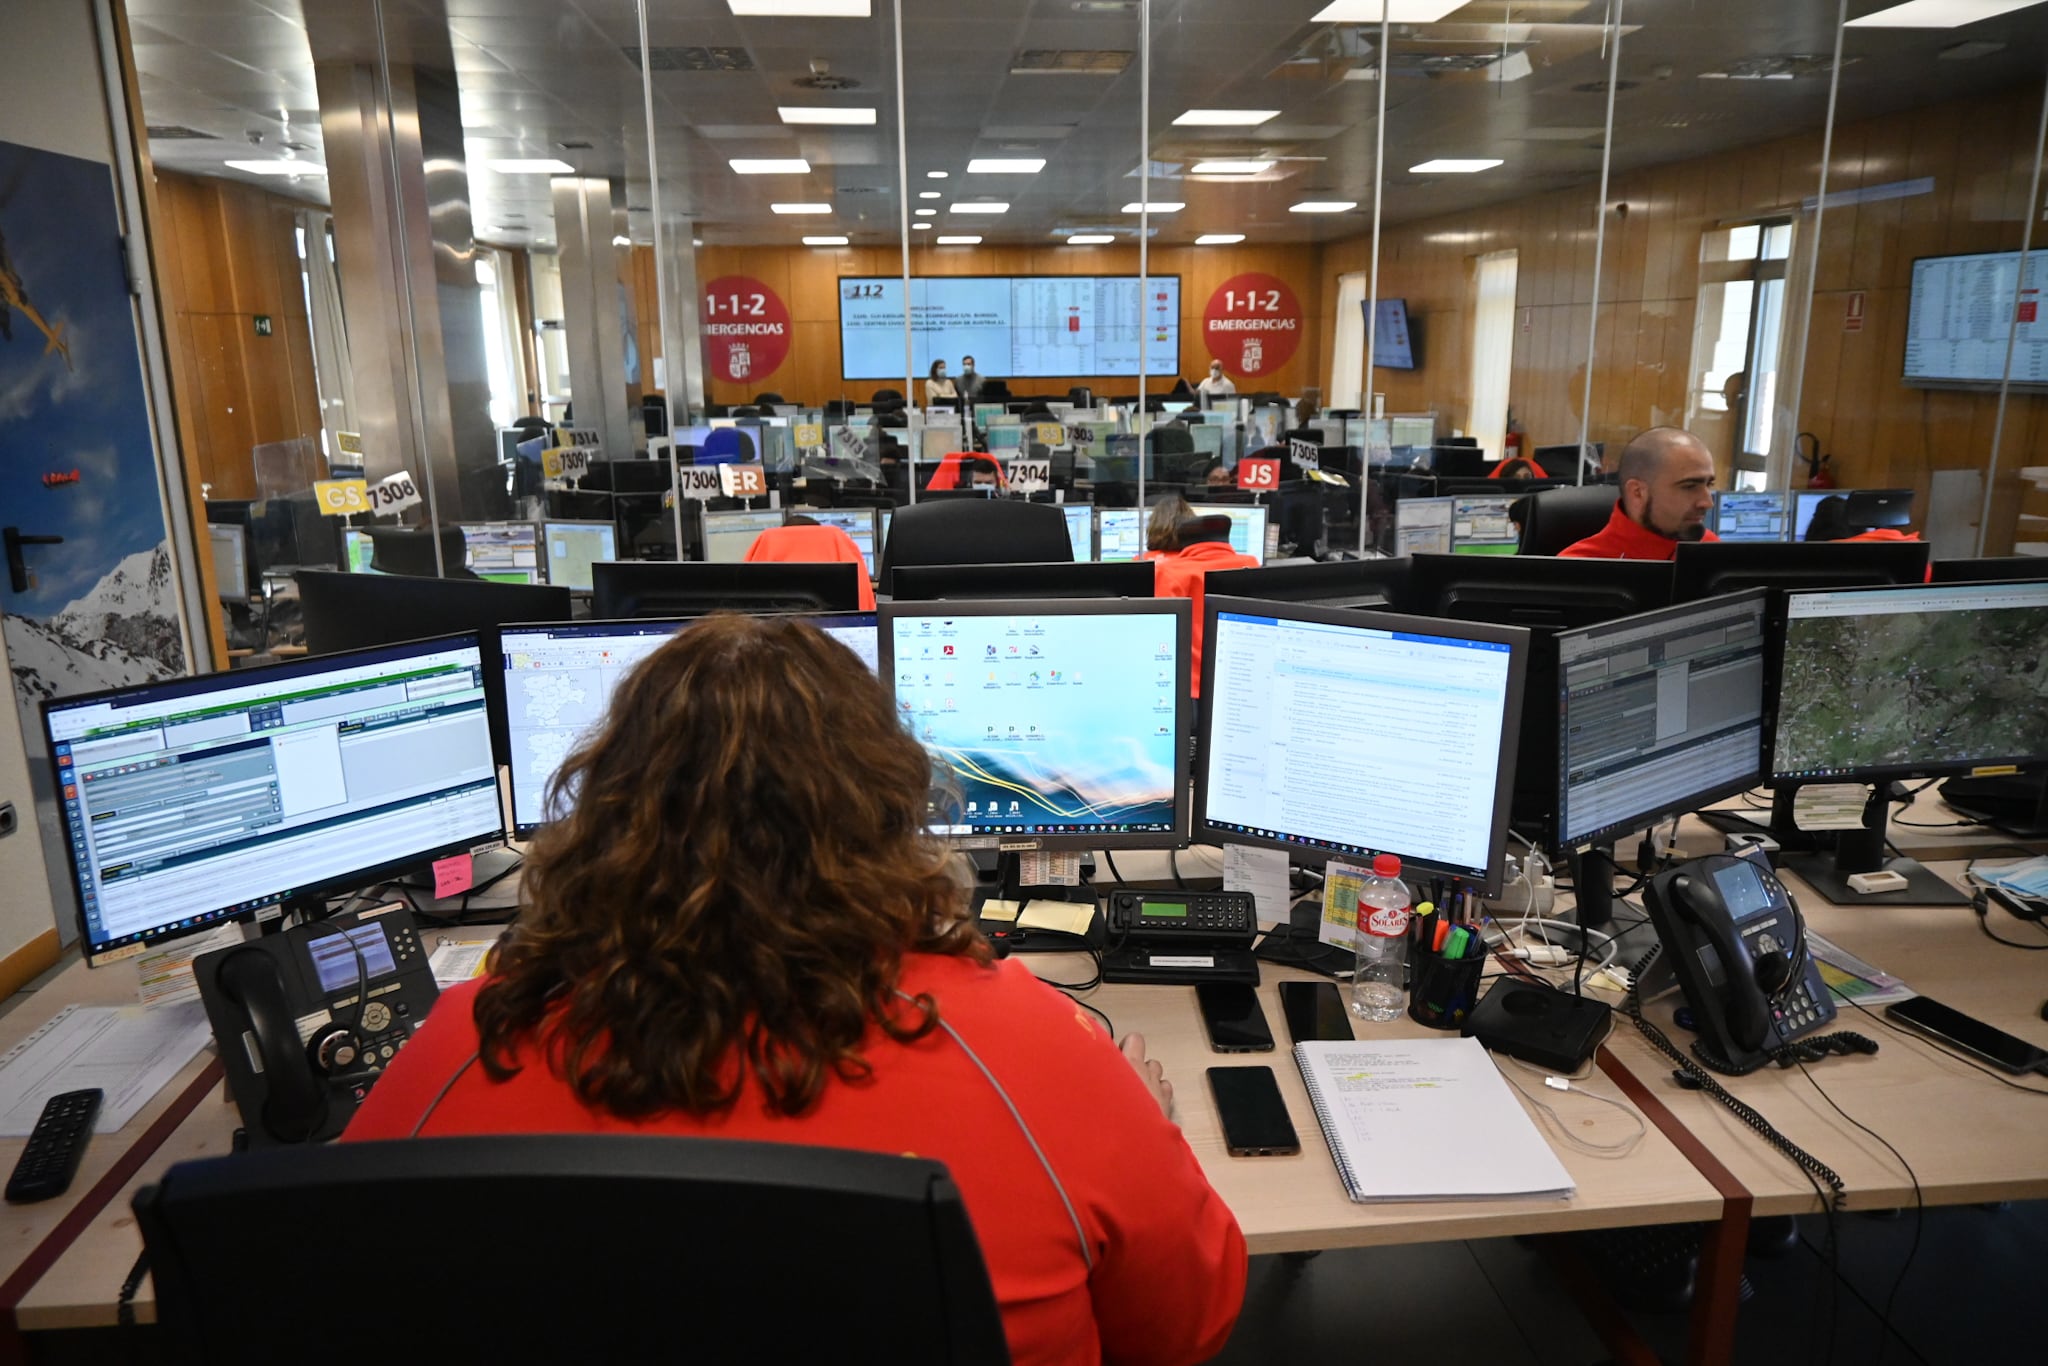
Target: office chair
[[1170, 440], [1555, 518], [1312, 435], [974, 531], [1081, 396], [726, 446], [768, 399], [668, 1242], [881, 396], [410, 550]]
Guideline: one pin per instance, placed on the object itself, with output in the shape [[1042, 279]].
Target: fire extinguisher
[[1820, 470], [1511, 443]]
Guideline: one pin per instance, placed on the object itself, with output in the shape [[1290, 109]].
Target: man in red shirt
[[1667, 490]]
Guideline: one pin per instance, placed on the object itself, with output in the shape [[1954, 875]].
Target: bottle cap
[[1387, 865]]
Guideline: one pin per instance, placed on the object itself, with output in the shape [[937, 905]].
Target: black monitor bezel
[[1785, 510], [1692, 569], [1774, 691], [1517, 638], [619, 626], [1443, 573], [1317, 583], [1021, 581], [767, 571], [1181, 609], [285, 671], [549, 563], [1704, 796]]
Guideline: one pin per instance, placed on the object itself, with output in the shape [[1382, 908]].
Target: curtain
[[332, 371], [1493, 349], [1347, 346]]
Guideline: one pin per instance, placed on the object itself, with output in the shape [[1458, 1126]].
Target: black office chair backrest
[[974, 531], [572, 1248], [768, 399], [1171, 440], [410, 550], [1555, 518], [1313, 435], [886, 396]]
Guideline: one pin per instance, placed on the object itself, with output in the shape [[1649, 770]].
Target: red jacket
[[956, 470], [813, 545], [1181, 575], [1623, 539], [1169, 1261]]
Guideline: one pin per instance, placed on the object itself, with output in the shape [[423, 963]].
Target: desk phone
[[1183, 938]]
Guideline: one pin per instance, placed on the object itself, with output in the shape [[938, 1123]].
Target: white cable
[[1601, 938], [1559, 1083]]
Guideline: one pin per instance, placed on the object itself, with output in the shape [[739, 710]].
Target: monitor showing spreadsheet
[[572, 547], [1741, 515], [728, 536], [196, 800], [503, 552], [1080, 529], [1120, 533], [1960, 319], [1482, 526], [1247, 525], [1339, 733], [559, 680]]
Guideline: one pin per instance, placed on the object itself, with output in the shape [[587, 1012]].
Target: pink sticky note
[[453, 875]]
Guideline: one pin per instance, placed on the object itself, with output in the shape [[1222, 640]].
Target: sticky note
[[1074, 917], [453, 876], [993, 909]]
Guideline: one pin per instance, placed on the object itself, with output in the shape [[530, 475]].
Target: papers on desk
[[1830, 806], [1852, 979], [1263, 873], [1426, 1119], [455, 963], [127, 1051]]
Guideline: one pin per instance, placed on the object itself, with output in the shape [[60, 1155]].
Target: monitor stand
[[1862, 851], [1013, 936], [1782, 828], [1593, 885]]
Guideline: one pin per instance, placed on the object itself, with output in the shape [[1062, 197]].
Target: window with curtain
[[1493, 348], [1347, 346]]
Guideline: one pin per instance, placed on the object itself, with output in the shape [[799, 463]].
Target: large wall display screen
[[1015, 326], [1961, 317]]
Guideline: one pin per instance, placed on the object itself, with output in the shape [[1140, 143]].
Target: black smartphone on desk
[[1255, 1122], [1234, 1018], [1315, 1010], [1968, 1035]]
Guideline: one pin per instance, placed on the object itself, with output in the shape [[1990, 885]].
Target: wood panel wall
[[807, 280], [227, 254], [1880, 432]]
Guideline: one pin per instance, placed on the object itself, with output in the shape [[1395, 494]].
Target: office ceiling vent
[[1600, 87], [825, 80], [691, 58], [1788, 67], [1046, 61], [855, 189], [574, 145], [175, 132]]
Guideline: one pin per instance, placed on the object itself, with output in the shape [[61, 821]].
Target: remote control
[[55, 1148]]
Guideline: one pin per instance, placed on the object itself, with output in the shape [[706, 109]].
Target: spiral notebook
[[1426, 1119]]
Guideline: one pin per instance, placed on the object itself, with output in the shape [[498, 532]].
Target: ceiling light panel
[[1454, 166], [1218, 239], [1155, 206], [1231, 167], [850, 118], [946, 241], [801, 9], [801, 208], [824, 241], [1323, 206], [278, 167], [982, 206], [1006, 166], [532, 166], [1939, 13], [769, 166], [1090, 239], [1397, 11], [1226, 118]]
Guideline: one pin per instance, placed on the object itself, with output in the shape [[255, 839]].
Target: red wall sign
[[1852, 312], [1252, 324], [746, 329]]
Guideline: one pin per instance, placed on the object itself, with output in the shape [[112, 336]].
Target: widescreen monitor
[[1415, 432], [1460, 462], [201, 799], [633, 589], [857, 523], [1247, 526], [351, 611], [954, 582], [1658, 714], [503, 552], [573, 547], [230, 546], [1050, 724], [1920, 681], [1865, 509], [1990, 568], [1745, 515], [1344, 734], [1080, 529], [1393, 346], [1332, 583], [1543, 592], [1013, 325], [1483, 525], [1708, 570], [728, 536], [1959, 320], [559, 678], [1120, 534]]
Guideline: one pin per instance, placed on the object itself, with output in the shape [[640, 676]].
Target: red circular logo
[[746, 329], [1252, 324]]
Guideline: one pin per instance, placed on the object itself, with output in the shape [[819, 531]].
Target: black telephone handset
[[307, 1020], [1738, 948]]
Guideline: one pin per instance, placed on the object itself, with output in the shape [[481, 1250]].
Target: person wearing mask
[[1667, 490], [1203, 545], [1218, 384], [738, 927], [970, 380], [937, 386]]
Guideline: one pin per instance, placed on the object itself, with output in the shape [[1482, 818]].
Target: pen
[[1443, 928]]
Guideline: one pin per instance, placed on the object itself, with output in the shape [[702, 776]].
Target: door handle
[[18, 577]]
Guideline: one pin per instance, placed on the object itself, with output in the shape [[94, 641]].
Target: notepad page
[[1427, 1119]]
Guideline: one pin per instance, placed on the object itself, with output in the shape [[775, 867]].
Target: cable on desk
[[1566, 1082], [124, 1304], [1096, 1011]]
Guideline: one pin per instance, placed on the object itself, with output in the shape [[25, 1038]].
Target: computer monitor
[[857, 523], [728, 536], [558, 679], [1056, 725], [1333, 583], [357, 550], [1080, 529], [1247, 526], [198, 800], [1708, 569], [956, 582], [1562, 462], [1119, 534], [1990, 569], [1343, 734], [1867, 508], [230, 546], [1460, 462], [1658, 714], [503, 552], [1906, 682], [353, 611], [1422, 526], [573, 547], [1746, 515], [1481, 524], [1543, 592], [632, 589]]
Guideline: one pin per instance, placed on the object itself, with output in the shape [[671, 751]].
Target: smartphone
[[1235, 1020], [1971, 1036], [1315, 1010], [1255, 1122]]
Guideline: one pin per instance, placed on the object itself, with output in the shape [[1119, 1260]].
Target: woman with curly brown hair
[[738, 928]]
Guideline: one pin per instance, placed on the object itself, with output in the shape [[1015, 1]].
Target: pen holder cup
[[1445, 990]]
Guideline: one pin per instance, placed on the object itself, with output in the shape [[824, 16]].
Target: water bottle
[[1379, 987]]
